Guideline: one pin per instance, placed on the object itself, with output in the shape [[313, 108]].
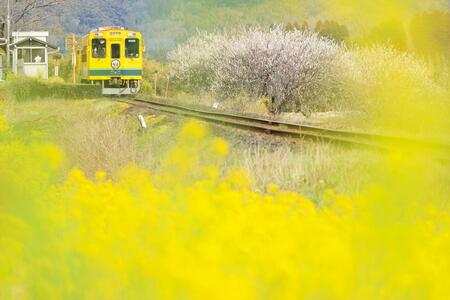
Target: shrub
[[64, 63], [151, 69], [25, 89], [194, 63], [290, 68], [430, 34], [394, 88], [296, 26], [332, 30], [391, 33]]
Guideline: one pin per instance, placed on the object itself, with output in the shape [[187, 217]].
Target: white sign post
[[142, 121]]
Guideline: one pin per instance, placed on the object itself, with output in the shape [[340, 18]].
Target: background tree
[[296, 26], [430, 34], [390, 33], [289, 70], [26, 14], [81, 16], [332, 30]]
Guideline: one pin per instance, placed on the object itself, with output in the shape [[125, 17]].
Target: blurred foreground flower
[[190, 232]]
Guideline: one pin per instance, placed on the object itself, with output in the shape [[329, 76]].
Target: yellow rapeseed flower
[[193, 130], [3, 126], [189, 233], [52, 153], [220, 147]]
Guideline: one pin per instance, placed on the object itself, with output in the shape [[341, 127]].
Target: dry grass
[[310, 168], [92, 133], [95, 135], [99, 142]]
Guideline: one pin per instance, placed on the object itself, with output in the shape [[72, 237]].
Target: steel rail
[[294, 130]]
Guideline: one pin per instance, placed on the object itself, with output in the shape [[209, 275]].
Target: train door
[[115, 56], [115, 51]]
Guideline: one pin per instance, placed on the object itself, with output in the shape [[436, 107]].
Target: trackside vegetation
[[378, 87], [26, 89]]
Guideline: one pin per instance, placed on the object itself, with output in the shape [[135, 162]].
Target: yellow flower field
[[193, 232]]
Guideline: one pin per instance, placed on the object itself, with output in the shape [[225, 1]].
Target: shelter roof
[[33, 39]]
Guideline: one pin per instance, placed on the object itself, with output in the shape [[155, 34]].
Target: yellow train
[[112, 56]]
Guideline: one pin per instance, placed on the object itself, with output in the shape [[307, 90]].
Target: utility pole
[[167, 86], [8, 34], [74, 60], [155, 84]]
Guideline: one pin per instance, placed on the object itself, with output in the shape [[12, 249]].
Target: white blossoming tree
[[293, 70]]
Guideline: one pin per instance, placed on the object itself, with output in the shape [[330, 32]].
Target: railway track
[[296, 130]]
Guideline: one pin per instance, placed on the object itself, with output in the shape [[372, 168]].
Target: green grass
[[26, 89]]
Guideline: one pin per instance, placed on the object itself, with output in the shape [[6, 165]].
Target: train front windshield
[[132, 48], [98, 48]]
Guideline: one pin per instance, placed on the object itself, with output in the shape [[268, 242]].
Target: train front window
[[132, 48], [98, 48], [115, 51]]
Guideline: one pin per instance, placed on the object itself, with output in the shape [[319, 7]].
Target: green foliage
[[328, 28], [391, 33], [25, 89], [394, 90], [155, 72], [64, 64], [430, 34], [332, 30], [296, 26]]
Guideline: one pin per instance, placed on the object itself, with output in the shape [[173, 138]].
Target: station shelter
[[30, 52]]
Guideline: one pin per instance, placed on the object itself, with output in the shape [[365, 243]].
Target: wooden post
[[167, 87], [1, 68], [8, 38], [155, 92], [74, 60]]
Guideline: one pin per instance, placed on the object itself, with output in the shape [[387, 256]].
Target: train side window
[[98, 48], [115, 50], [132, 48]]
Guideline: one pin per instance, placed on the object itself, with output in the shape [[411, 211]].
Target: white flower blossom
[[289, 68]]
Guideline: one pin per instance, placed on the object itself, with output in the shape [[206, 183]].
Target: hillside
[[169, 22], [166, 23]]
